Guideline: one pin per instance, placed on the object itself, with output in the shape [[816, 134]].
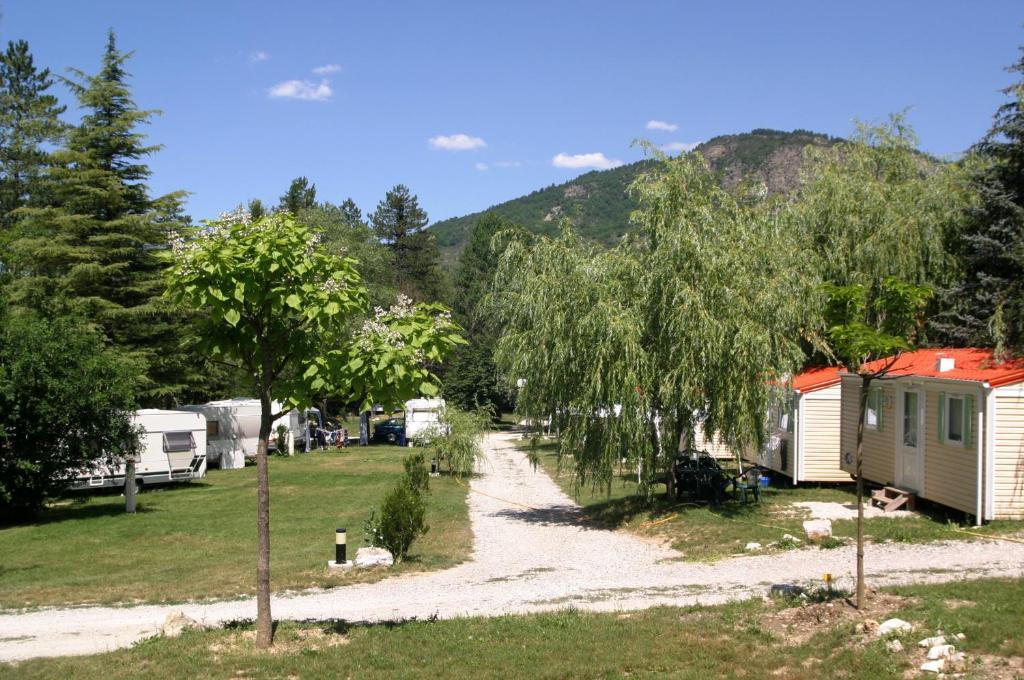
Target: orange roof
[[976, 365], [817, 378]]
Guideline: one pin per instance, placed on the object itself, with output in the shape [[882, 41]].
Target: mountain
[[598, 202]]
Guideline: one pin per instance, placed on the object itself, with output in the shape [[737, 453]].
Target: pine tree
[[471, 379], [400, 223], [29, 120], [301, 195], [95, 242], [986, 304]]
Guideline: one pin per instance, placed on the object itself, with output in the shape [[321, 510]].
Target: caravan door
[[910, 442]]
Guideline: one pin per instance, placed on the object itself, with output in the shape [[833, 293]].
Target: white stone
[[932, 641], [791, 538], [894, 646], [893, 626], [934, 666], [960, 636], [752, 546], [817, 529], [374, 557], [175, 623], [941, 651]]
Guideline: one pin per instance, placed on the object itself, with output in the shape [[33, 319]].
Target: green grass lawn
[[198, 540], [705, 533], [750, 639]]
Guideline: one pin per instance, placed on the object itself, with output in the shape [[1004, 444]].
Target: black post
[[339, 547]]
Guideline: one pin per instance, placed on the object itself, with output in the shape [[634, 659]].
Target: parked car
[[391, 430]]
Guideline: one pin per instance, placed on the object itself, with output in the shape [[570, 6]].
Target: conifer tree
[[985, 306], [29, 119], [96, 241], [400, 223], [301, 195]]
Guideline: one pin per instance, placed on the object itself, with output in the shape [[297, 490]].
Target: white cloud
[[459, 142], [677, 147], [302, 89], [481, 166], [259, 56], [584, 160], [327, 69], [661, 125]]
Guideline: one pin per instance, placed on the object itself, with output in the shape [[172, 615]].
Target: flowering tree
[[389, 358], [274, 302]]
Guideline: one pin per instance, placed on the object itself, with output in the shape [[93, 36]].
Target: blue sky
[[473, 103]]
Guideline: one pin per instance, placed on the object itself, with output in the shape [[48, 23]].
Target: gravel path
[[532, 554]]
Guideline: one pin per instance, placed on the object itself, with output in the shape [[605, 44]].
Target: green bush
[[281, 440], [457, 440], [402, 519], [416, 475]]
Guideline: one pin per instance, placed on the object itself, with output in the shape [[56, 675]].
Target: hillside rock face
[[599, 203]]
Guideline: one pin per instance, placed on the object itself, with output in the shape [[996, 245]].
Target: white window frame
[[877, 394], [964, 416]]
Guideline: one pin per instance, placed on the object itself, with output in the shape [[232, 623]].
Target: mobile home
[[946, 425], [233, 429], [173, 449], [803, 429], [422, 415]]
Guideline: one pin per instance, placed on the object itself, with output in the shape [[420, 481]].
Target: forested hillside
[[599, 204]]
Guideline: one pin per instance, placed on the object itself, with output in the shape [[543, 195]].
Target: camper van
[[233, 429], [173, 449], [422, 415]]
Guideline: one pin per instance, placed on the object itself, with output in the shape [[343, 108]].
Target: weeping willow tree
[[693, 316], [876, 215]]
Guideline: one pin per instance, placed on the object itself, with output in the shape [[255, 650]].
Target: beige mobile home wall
[[1008, 489], [879, 445], [950, 470], [714, 446], [820, 413]]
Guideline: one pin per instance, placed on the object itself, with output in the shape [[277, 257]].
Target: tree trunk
[[364, 428], [129, 485], [865, 384], [264, 622]]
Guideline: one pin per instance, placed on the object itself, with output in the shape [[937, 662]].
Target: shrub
[[457, 440], [416, 475], [402, 519], [281, 440]]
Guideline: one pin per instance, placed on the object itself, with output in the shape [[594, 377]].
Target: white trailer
[[233, 429], [173, 449], [422, 416]]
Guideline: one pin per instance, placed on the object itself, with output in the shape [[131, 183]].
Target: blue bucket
[[765, 481]]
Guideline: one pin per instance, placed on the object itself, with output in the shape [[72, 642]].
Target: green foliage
[[91, 235], [65, 400], [301, 195], [694, 313], [416, 475], [984, 304], [875, 214], [388, 362], [400, 223], [401, 519], [457, 439], [29, 120], [281, 440], [273, 300]]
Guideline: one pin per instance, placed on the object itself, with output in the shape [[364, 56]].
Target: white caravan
[[173, 449], [421, 416], [233, 429]]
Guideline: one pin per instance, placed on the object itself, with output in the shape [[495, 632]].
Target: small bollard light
[[827, 577], [339, 546]]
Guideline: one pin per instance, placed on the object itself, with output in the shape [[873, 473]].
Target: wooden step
[[890, 498]]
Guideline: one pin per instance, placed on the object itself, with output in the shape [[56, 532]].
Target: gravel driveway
[[530, 554]]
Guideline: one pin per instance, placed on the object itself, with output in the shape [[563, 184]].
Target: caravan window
[[176, 442], [212, 429]]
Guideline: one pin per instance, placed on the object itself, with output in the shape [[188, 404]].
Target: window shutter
[[942, 416], [968, 419]]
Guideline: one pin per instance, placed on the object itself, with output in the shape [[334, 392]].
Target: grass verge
[[198, 540], [743, 639], [705, 533]]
